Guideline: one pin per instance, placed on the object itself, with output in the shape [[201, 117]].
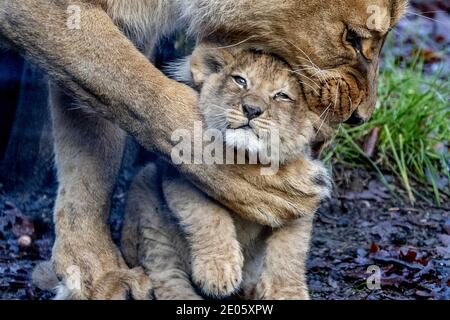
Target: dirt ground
[[359, 227]]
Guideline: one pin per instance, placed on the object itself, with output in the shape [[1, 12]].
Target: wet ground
[[425, 29], [361, 227]]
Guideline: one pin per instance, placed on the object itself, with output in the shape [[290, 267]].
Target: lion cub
[[182, 237]]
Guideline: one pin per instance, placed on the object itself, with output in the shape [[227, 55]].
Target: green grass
[[413, 115]]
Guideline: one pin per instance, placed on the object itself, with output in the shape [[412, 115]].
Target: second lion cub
[[186, 240]]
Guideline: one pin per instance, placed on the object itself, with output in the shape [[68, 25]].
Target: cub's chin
[[244, 139]]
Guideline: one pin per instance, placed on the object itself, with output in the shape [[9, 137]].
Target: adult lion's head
[[334, 46]]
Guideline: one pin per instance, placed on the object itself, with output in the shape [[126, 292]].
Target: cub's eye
[[281, 96], [241, 82], [354, 39]]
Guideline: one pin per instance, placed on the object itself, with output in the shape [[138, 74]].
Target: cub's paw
[[218, 275]]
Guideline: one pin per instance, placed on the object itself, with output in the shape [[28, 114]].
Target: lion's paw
[[120, 284]]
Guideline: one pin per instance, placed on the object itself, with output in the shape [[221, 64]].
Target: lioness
[[85, 46], [244, 95]]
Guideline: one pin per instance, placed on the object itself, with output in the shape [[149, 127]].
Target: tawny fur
[[219, 242], [98, 67], [214, 251]]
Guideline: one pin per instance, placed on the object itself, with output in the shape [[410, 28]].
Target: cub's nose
[[251, 112]]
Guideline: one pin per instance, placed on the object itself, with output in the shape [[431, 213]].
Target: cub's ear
[[208, 59]]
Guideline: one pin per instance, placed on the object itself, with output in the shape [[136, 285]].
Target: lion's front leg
[[88, 156]]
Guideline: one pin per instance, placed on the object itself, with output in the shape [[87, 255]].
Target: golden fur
[[218, 241], [99, 68], [220, 252]]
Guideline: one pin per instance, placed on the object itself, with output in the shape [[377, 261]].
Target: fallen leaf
[[408, 255], [371, 142], [374, 248]]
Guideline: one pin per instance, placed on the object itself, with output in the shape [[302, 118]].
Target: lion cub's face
[[246, 95]]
